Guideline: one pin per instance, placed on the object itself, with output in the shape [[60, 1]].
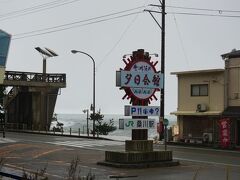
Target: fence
[[83, 131]]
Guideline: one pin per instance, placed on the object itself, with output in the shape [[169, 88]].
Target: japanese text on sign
[[224, 126], [141, 79], [136, 123], [141, 110]]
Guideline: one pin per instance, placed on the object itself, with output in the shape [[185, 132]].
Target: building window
[[199, 90]]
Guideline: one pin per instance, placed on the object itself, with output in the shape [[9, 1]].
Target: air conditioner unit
[[201, 107], [207, 137]]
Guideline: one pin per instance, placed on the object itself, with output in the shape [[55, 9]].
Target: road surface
[[34, 152]]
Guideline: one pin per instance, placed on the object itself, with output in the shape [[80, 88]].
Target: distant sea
[[76, 121]]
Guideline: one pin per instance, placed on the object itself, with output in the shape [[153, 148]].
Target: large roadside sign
[[139, 78], [136, 123], [141, 110], [5, 39]]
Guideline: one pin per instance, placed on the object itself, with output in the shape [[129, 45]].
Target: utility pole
[[162, 92], [162, 100]]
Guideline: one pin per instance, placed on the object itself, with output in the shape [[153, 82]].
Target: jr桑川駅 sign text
[[137, 123]]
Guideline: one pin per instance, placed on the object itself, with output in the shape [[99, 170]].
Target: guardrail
[[22, 127]]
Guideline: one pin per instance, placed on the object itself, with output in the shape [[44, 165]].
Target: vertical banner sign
[[4, 46], [160, 127], [224, 129]]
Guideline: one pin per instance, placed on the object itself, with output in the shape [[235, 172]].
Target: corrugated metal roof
[[195, 113], [198, 71]]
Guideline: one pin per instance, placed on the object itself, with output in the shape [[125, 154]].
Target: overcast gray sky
[[192, 42]]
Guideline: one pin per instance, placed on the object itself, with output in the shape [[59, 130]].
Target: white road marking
[[88, 144], [207, 162], [6, 140]]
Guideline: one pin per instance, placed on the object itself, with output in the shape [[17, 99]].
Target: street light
[[87, 111], [93, 107], [46, 53]]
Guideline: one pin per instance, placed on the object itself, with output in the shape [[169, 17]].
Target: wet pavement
[[35, 153]]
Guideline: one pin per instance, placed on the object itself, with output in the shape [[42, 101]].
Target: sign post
[[140, 80], [165, 123]]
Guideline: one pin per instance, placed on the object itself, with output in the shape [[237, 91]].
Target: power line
[[80, 25], [202, 14], [81, 21], [220, 11], [95, 20], [36, 9], [205, 9], [31, 8], [180, 39], [121, 37], [119, 40]]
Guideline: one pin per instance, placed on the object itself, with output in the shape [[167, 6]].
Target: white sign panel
[[136, 123], [136, 79], [141, 110]]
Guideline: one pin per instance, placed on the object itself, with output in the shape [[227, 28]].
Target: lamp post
[[46, 53], [93, 107], [87, 111]]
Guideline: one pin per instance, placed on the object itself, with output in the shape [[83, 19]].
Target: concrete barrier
[[137, 157], [139, 145]]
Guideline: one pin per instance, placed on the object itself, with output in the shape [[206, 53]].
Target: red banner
[[160, 127], [224, 129]]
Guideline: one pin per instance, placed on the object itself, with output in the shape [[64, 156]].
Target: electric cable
[[77, 22], [205, 9], [202, 14], [119, 40], [181, 40], [30, 8], [38, 10], [71, 27]]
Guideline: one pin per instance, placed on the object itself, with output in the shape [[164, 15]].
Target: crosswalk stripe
[[6, 140], [82, 144]]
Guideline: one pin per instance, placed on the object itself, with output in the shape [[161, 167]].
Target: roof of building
[[232, 111], [198, 71], [233, 54], [195, 113]]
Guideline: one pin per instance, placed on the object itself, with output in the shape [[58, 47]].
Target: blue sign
[[5, 39], [141, 110]]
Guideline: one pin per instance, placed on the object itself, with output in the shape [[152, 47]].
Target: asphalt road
[[33, 152]]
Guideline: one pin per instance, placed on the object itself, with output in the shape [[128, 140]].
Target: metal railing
[[64, 131], [34, 77]]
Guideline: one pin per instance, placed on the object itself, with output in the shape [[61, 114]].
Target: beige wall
[[233, 80], [215, 98], [2, 72]]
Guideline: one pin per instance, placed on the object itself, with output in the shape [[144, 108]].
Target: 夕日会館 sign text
[[136, 79]]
